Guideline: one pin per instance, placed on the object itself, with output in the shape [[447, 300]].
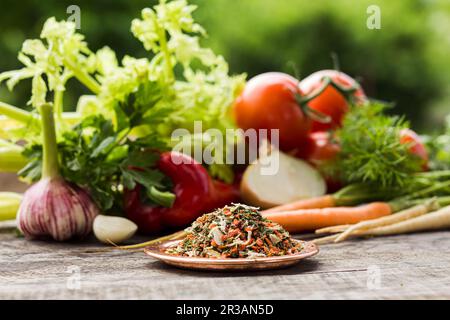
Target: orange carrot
[[312, 219], [325, 201], [350, 195]]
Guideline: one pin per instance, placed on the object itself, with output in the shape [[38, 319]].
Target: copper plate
[[158, 251]]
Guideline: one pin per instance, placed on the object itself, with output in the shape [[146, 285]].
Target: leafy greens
[[135, 104], [439, 148], [102, 157], [371, 149]]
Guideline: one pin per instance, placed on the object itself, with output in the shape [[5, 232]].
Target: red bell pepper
[[196, 193]]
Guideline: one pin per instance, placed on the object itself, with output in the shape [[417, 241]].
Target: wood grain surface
[[401, 267]]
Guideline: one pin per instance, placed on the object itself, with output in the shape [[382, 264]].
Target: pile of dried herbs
[[236, 231]]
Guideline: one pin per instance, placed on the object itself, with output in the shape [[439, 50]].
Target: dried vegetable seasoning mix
[[235, 231]]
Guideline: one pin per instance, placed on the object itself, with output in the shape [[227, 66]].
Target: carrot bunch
[[403, 215], [422, 217], [299, 219]]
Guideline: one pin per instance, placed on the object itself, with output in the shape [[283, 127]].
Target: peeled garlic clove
[[113, 229]]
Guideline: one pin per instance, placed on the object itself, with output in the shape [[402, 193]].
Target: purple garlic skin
[[55, 208]]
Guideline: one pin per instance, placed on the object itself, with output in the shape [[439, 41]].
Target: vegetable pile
[[236, 231], [375, 162], [112, 145], [131, 156]]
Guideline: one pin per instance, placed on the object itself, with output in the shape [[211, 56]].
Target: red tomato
[[416, 147], [268, 101], [330, 102], [321, 147]]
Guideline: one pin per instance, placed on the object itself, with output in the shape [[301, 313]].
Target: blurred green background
[[406, 61]]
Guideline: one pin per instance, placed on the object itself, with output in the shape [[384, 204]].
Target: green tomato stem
[[17, 114], [50, 167], [327, 81], [83, 77]]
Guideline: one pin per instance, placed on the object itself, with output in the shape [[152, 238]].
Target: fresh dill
[[371, 148]]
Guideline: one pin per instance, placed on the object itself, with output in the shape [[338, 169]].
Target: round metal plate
[[238, 264]]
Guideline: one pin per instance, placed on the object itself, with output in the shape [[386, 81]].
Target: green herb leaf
[[104, 146], [371, 151], [439, 148], [147, 178], [93, 156]]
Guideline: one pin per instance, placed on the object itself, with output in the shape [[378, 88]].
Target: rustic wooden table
[[402, 267]]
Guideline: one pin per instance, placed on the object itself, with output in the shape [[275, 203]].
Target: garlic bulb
[[113, 229], [54, 207]]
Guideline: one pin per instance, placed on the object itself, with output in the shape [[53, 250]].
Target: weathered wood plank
[[9, 182], [410, 266]]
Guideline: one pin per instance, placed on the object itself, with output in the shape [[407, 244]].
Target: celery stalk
[[69, 118], [17, 113], [83, 77], [9, 204], [50, 166], [11, 159], [5, 143]]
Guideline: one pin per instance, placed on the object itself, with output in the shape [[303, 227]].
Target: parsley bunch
[[134, 107], [100, 156]]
